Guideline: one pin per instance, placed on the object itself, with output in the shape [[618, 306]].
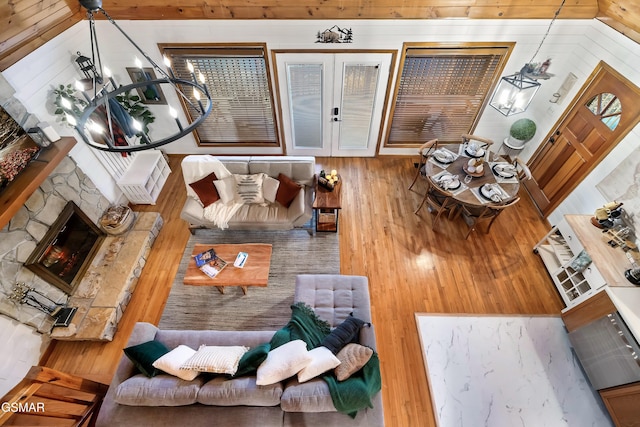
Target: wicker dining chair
[[474, 215], [438, 200], [424, 152]]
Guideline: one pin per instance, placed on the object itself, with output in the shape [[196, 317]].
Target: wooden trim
[[586, 312], [18, 192]]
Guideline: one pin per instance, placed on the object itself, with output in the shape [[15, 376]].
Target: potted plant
[[521, 132]]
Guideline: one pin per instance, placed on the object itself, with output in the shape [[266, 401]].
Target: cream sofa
[[239, 402], [273, 216]]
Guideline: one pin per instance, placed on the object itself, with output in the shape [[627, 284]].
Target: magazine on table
[[210, 263]]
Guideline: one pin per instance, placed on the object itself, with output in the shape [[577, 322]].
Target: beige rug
[[294, 252]]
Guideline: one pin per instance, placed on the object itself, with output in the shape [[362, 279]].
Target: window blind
[[441, 93], [238, 82]]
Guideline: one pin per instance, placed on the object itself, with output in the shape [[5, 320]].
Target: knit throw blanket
[[348, 396]]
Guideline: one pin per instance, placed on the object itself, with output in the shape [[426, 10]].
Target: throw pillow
[[172, 361], [226, 189], [252, 359], [206, 191], [287, 190], [143, 355], [249, 188], [216, 359], [283, 362], [270, 188], [343, 334], [322, 360], [352, 358]]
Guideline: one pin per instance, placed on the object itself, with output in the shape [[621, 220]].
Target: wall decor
[[335, 34], [148, 94]]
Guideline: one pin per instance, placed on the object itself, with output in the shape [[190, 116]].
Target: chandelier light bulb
[[173, 113], [107, 72], [201, 77], [79, 85], [95, 127], [71, 120], [166, 61], [137, 125], [138, 63], [66, 104], [190, 66], [196, 94]]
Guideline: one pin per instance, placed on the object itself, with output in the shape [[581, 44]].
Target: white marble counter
[[505, 371], [627, 301]]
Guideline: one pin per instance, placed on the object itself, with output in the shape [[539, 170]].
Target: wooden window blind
[[441, 92], [238, 81]]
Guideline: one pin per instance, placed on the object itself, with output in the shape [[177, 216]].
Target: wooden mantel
[[19, 191]]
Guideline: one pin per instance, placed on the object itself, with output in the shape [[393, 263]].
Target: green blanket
[[348, 396]]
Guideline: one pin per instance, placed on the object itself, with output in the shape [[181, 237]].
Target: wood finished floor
[[410, 269]]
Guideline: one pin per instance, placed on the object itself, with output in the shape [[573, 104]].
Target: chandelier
[[103, 123], [515, 92]]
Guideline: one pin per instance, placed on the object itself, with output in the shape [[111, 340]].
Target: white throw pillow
[[172, 361], [216, 359], [249, 188], [227, 189], [322, 360], [270, 188], [283, 362]]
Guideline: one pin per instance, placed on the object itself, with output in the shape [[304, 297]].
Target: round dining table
[[498, 177]]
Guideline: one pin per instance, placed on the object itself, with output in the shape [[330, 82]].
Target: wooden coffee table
[[254, 273]]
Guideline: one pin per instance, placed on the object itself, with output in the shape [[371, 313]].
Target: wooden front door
[[606, 109]]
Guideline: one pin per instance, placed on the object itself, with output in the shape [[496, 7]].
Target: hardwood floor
[[410, 269]]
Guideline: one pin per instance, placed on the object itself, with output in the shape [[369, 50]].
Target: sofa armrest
[[297, 206], [142, 332]]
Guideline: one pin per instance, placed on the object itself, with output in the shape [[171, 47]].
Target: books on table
[[210, 263]]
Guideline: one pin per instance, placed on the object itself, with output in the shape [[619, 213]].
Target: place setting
[[443, 157], [473, 150], [449, 182], [490, 193], [504, 172]]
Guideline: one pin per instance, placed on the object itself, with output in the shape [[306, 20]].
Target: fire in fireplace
[[64, 254]]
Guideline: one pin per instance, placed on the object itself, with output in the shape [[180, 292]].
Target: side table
[[326, 206]]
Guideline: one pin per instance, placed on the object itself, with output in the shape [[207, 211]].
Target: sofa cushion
[[221, 391], [287, 190], [143, 355], [161, 390], [322, 360], [343, 334], [352, 358], [283, 362], [216, 359], [172, 361], [311, 396], [270, 188], [206, 190], [249, 188]]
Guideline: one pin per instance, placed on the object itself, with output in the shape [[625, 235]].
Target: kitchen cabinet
[[622, 404]]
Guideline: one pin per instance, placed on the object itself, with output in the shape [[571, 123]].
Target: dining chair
[[439, 201], [474, 215], [522, 169], [424, 151], [467, 138]]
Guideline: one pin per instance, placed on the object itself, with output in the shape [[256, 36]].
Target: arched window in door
[[608, 107]]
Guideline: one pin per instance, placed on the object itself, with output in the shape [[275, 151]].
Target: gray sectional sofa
[[270, 216], [239, 402]]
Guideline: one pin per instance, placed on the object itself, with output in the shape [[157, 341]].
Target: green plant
[[136, 109], [67, 94], [523, 129]]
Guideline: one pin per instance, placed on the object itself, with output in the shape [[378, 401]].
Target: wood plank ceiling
[[28, 24]]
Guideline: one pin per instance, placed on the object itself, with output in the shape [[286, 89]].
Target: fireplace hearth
[[64, 254]]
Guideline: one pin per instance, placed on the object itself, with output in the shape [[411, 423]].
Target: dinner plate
[[477, 155], [500, 171], [487, 192], [454, 184], [444, 157]]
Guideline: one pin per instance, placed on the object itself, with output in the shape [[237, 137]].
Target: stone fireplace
[[65, 252]]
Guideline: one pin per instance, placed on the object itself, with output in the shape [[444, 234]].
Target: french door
[[332, 103]]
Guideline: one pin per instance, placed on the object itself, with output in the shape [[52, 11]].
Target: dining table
[[448, 166]]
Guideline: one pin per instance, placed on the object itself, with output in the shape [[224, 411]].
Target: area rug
[[505, 371], [293, 252]]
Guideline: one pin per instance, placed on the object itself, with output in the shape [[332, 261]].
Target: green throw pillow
[[143, 355], [252, 359]]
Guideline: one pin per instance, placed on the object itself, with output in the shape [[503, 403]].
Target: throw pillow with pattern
[[249, 188]]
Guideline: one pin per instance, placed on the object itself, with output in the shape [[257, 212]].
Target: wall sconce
[[24, 294]]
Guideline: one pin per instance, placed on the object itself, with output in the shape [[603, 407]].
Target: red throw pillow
[[287, 190], [206, 191]]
